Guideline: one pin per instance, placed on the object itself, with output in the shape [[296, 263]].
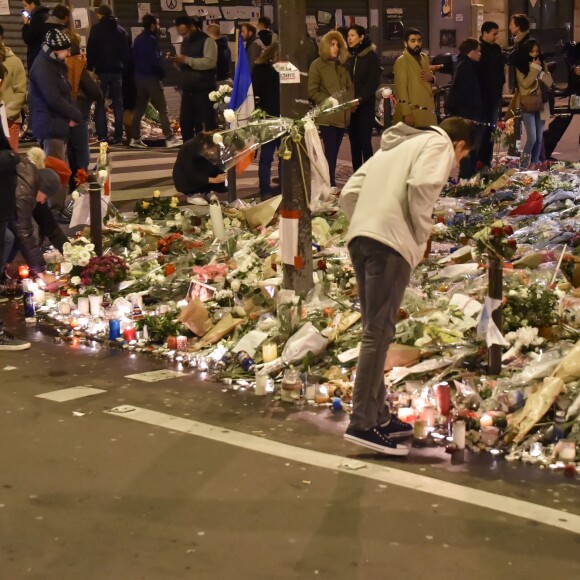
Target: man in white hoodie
[[389, 202]]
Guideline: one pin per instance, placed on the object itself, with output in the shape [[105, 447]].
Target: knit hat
[[48, 182], [62, 169], [57, 40]]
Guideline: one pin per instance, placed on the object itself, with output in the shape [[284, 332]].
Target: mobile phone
[[25, 13]]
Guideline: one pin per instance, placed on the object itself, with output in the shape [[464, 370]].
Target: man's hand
[[435, 67], [221, 178], [47, 278], [176, 58], [408, 120], [25, 19], [72, 124], [427, 77]]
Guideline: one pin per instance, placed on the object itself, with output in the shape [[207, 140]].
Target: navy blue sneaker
[[396, 429], [375, 440]]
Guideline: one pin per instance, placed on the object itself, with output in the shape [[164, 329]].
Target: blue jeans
[[79, 154], [112, 88], [265, 166], [534, 134]]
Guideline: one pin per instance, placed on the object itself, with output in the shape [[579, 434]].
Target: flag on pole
[[243, 94]]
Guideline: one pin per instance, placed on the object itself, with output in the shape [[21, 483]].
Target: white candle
[[217, 221], [566, 450], [83, 304], [269, 352], [39, 296], [64, 307], [261, 384], [459, 434], [95, 302], [429, 415]]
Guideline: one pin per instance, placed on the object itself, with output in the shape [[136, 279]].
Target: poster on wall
[[142, 9], [448, 38], [394, 23], [81, 17], [446, 8], [4, 8], [171, 5]]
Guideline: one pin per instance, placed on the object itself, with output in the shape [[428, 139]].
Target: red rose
[[321, 265], [497, 232], [512, 244], [508, 230]]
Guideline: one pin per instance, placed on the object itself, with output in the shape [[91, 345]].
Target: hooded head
[[325, 49], [48, 182]]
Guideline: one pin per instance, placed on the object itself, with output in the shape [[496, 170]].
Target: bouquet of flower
[[533, 305], [503, 132], [222, 96], [494, 241], [176, 244], [77, 254], [157, 208], [104, 272]]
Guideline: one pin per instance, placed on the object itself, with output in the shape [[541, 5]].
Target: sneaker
[[377, 441], [173, 141], [9, 342], [396, 428], [137, 144]]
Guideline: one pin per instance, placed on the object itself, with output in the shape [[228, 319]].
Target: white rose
[[83, 262], [75, 280], [230, 116], [75, 194], [387, 93], [332, 102], [227, 100], [65, 267], [85, 255], [235, 285], [218, 139], [129, 228], [148, 221], [90, 247], [136, 236], [213, 96]]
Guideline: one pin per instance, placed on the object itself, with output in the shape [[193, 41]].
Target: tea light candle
[[536, 449], [261, 384], [39, 296], [74, 319], [83, 304], [321, 394], [181, 343], [23, 271], [566, 450], [172, 342], [64, 307], [429, 415], [489, 435], [407, 415], [420, 429], [269, 352], [130, 333], [459, 434], [95, 303]]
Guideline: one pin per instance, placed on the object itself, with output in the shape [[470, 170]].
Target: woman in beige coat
[[328, 77], [12, 91], [529, 80]]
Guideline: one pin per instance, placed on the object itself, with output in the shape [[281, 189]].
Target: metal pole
[[231, 177], [95, 215], [294, 104], [495, 290]]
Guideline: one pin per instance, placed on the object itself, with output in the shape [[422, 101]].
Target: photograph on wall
[[446, 8], [448, 38]]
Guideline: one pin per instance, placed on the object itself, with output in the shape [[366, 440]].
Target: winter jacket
[[465, 96], [192, 170], [8, 163], [13, 88], [198, 73], [530, 85], [492, 66], [267, 37], [390, 199], [411, 90], [327, 78], [107, 47], [224, 59], [147, 56], [34, 33], [25, 225], [266, 85], [85, 87], [365, 71], [254, 48], [51, 108]]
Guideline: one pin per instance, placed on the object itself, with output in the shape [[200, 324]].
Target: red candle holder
[[130, 333], [23, 271], [172, 342]]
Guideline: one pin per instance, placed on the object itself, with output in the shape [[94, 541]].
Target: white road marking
[[70, 394], [452, 491], [154, 376]]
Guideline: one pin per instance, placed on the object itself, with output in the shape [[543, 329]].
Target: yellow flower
[[145, 204], [156, 193]]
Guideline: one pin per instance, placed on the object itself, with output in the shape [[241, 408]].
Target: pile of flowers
[[158, 207], [104, 272], [494, 241]]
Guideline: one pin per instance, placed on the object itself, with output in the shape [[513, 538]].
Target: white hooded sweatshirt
[[391, 197]]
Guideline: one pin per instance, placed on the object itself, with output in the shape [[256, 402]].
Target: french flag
[[243, 94]]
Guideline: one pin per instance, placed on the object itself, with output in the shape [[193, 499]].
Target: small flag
[[243, 94]]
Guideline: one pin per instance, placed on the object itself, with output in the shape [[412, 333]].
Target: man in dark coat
[[254, 46], [34, 28], [107, 55], [492, 65], [197, 65], [51, 108], [8, 163], [224, 54]]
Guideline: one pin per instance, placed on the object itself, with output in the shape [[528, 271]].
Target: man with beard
[[414, 84]]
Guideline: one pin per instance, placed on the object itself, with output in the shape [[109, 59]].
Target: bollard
[[96, 216], [495, 290], [231, 177], [518, 130]]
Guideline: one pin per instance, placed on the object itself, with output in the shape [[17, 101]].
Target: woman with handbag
[[533, 81]]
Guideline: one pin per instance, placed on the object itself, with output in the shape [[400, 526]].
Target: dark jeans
[[486, 148], [382, 275], [360, 132], [468, 165], [332, 138], [112, 88], [150, 89], [267, 152], [196, 114], [79, 154]]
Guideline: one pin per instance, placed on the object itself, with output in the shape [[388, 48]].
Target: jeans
[[150, 89], [197, 114], [468, 165], [382, 276], [332, 138], [534, 134], [491, 115], [267, 152], [57, 148], [79, 154], [112, 88], [360, 132]]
